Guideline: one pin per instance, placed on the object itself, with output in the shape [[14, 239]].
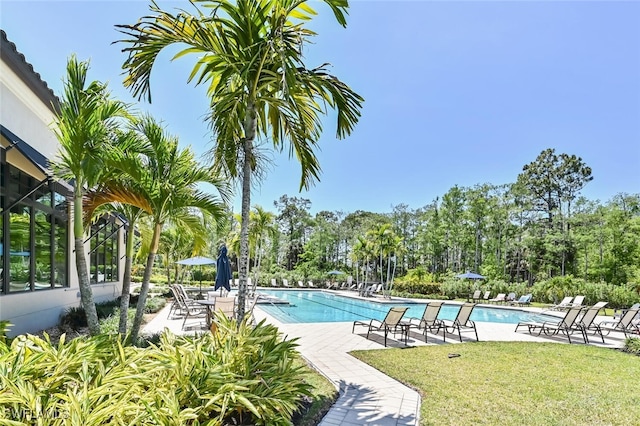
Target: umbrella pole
[[201, 282]]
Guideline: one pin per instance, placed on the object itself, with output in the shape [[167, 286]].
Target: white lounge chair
[[577, 302], [564, 304], [500, 298]]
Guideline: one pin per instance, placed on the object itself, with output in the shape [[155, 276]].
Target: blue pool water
[[319, 306]]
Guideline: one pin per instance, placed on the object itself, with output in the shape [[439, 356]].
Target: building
[[38, 279]]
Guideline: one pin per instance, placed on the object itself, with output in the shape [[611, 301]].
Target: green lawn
[[324, 395], [509, 383]]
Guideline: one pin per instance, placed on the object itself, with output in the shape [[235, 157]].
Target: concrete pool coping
[[367, 396]]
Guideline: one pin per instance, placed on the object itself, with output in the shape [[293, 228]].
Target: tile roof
[[17, 62]]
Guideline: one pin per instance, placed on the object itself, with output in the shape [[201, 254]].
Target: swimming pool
[[318, 306]]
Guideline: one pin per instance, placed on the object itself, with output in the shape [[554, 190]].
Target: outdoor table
[[210, 305]]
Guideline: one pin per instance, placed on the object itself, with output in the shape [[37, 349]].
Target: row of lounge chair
[[579, 319], [501, 298], [429, 322], [568, 302], [309, 284]]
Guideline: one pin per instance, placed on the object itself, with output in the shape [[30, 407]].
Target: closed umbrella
[[198, 261], [223, 270]]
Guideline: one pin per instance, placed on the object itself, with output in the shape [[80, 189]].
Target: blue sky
[[455, 92]]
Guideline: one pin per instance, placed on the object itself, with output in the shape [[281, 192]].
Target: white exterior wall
[[24, 114]]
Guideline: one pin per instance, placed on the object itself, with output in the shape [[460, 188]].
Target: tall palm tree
[[131, 214], [262, 226], [363, 249], [87, 120], [179, 242], [162, 180], [386, 243], [100, 200], [250, 56]]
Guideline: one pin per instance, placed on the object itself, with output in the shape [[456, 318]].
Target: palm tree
[[250, 56], [87, 120], [394, 249], [162, 180], [386, 243], [262, 226], [131, 214], [362, 250], [179, 242], [99, 201]]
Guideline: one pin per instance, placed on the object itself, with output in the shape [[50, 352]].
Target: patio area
[[367, 396]]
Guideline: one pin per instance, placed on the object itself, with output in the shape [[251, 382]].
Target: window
[[104, 251], [34, 250]]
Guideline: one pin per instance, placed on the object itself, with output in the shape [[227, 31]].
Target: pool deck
[[367, 396]]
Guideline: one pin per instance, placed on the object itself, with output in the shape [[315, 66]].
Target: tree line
[[535, 228]]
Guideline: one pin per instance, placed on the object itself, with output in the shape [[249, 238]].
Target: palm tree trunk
[[126, 281], [381, 270], [244, 236], [144, 289], [256, 275], [393, 274], [86, 294], [247, 147]]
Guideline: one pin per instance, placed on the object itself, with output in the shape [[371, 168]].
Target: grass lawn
[[517, 383], [324, 395]]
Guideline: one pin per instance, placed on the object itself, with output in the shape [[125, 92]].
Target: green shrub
[[107, 309], [632, 345], [74, 318], [109, 325], [239, 375], [556, 288], [4, 327], [417, 288], [622, 296], [154, 304]]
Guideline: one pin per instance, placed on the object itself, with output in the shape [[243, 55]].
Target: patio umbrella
[[471, 276], [334, 273], [223, 270], [197, 261]]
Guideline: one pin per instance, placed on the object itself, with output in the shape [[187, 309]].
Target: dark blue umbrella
[[223, 272]]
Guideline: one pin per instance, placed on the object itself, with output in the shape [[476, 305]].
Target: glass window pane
[[43, 250], [60, 202], [104, 256], [19, 248], [60, 254], [43, 195], [1, 250]]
